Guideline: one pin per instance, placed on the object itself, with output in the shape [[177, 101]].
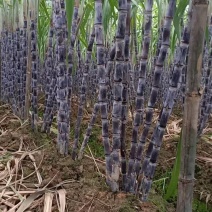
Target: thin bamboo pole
[[191, 107]]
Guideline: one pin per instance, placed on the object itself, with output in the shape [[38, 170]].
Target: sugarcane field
[[105, 105]]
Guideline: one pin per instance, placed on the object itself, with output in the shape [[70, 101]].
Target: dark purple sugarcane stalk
[[20, 86], [34, 71], [49, 87], [152, 153], [1, 64], [18, 69], [131, 89], [71, 49], [89, 130], [51, 102], [117, 93], [4, 64], [79, 67], [159, 67], [18, 35], [77, 77], [13, 73], [10, 66], [135, 42], [70, 60], [84, 89], [158, 47], [3, 61], [8, 69], [92, 85], [135, 159], [24, 48], [206, 104], [109, 72], [62, 80], [125, 97], [109, 67], [204, 83], [102, 96]]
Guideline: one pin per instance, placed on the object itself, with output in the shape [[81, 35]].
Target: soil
[[84, 185]]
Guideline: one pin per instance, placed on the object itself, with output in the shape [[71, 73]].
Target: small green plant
[[97, 150], [161, 184], [199, 206], [172, 187]]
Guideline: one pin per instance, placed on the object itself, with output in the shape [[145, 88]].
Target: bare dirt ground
[[33, 176]]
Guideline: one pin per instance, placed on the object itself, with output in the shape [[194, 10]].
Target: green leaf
[[85, 16], [177, 17], [44, 8], [83, 41], [172, 187], [113, 5], [107, 13], [69, 13]]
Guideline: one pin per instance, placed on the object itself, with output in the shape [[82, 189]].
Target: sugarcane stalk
[[124, 109], [207, 93], [117, 93], [191, 107], [135, 158], [62, 80]]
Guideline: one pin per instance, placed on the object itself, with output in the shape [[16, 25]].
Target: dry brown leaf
[[3, 174], [7, 203], [205, 159], [27, 202], [14, 208], [62, 200], [37, 202], [21, 144], [3, 209], [36, 169], [3, 118], [48, 202], [208, 198], [20, 192]]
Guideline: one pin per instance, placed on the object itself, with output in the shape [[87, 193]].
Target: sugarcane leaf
[[138, 3], [43, 27], [85, 16], [173, 42], [113, 5], [159, 7], [180, 10], [172, 187], [83, 41], [44, 8], [27, 202], [107, 13], [69, 13], [82, 36]]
